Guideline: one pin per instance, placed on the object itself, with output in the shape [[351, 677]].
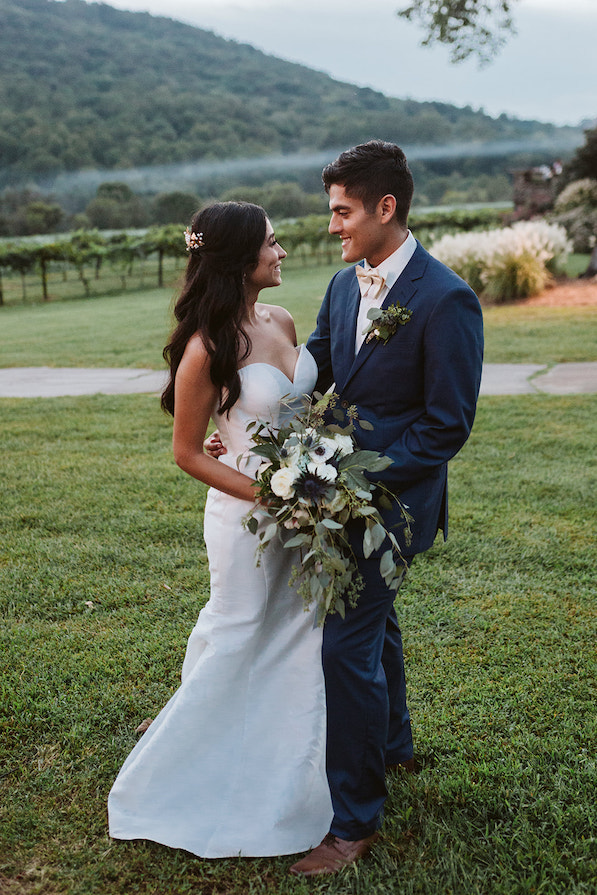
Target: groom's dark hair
[[370, 171]]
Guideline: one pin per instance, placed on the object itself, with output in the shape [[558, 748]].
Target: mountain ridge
[[87, 86]]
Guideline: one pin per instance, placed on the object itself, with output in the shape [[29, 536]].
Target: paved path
[[498, 379]]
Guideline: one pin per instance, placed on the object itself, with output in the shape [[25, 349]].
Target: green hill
[[86, 86]]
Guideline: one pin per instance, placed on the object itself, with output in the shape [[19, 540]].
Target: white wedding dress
[[234, 764]]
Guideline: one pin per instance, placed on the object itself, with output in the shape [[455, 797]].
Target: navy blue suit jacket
[[419, 390]]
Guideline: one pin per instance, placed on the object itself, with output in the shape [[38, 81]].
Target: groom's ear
[[386, 208]]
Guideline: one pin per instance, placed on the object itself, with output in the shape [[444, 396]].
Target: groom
[[419, 390]]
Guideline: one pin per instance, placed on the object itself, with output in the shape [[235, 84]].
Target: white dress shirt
[[390, 269]]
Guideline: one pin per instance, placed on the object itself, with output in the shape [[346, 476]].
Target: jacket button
[[344, 404]]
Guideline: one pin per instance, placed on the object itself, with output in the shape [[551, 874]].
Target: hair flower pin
[[385, 322], [193, 240]]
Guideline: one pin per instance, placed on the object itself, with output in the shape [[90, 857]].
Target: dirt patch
[[566, 294]]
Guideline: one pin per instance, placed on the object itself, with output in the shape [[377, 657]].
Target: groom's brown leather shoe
[[332, 854]]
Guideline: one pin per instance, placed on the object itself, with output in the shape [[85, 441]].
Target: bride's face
[[268, 272]]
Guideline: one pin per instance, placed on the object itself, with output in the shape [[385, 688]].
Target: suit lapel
[[349, 324], [401, 293]]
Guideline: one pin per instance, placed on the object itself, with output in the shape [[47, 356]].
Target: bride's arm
[[195, 397]]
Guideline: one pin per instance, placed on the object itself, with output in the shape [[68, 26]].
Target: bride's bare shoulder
[[282, 317], [196, 355]]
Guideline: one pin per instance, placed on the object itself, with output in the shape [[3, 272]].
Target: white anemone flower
[[344, 444], [321, 450]]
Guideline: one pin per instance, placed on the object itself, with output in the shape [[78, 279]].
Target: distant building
[[534, 190]]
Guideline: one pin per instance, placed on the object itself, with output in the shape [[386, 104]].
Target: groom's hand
[[213, 445]]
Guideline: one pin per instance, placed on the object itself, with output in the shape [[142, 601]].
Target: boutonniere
[[385, 322]]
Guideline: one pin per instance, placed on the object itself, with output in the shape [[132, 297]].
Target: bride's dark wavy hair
[[212, 301]]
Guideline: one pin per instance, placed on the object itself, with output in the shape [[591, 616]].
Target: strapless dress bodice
[[266, 394]]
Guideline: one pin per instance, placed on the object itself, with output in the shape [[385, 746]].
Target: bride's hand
[[213, 445]]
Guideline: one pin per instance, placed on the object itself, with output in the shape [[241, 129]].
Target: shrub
[[579, 192], [513, 262], [581, 226], [576, 211]]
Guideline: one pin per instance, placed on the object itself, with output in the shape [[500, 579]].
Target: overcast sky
[[548, 71]]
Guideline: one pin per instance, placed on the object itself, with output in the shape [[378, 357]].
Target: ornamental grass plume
[[512, 262]]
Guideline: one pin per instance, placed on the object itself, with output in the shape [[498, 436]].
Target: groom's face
[[362, 234]]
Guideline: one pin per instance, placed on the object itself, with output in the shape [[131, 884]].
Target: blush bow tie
[[371, 282]]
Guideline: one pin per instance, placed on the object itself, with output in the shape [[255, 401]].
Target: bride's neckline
[[263, 363]]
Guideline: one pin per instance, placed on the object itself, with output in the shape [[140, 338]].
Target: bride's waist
[[243, 461]]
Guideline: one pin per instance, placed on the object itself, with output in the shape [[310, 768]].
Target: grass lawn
[[130, 329], [102, 574]]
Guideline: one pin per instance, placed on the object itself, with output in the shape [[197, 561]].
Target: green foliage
[[306, 239], [42, 217], [175, 207], [581, 226], [88, 252], [116, 206], [280, 199], [578, 193], [83, 85], [576, 210], [468, 27], [584, 161]]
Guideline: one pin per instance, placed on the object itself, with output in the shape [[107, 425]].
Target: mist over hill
[[86, 87]]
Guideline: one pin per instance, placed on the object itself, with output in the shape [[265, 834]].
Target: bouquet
[[311, 483]]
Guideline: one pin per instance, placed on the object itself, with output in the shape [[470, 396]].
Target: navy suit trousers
[[368, 720]]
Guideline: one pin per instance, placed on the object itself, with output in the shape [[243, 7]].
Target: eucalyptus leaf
[[270, 532], [378, 535], [331, 523], [367, 511], [298, 541], [367, 543], [387, 566]]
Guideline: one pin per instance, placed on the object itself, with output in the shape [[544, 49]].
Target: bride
[[234, 764]]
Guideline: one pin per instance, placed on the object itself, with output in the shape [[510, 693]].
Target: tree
[[174, 208], [468, 27], [166, 241], [44, 255], [42, 217], [577, 201], [584, 161], [116, 206]]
